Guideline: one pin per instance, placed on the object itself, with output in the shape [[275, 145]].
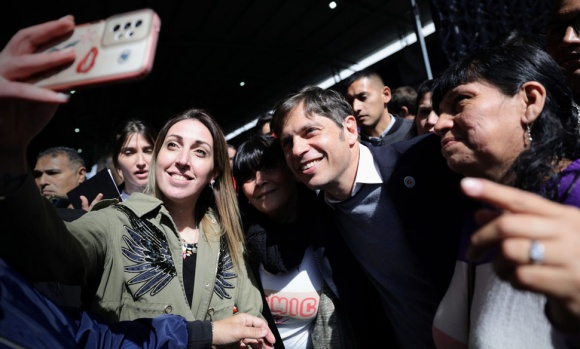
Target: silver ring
[[537, 252]]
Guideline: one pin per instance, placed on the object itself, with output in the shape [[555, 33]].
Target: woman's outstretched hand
[[25, 109]]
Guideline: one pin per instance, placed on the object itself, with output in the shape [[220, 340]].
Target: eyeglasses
[[553, 33]]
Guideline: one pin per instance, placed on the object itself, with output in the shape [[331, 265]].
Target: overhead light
[[332, 5], [384, 52], [242, 83], [77, 130]]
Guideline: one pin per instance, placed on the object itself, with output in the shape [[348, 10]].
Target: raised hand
[[553, 268], [25, 109]]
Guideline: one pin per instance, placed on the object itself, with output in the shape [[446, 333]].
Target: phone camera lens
[[138, 23], [127, 25], [116, 28], [130, 33], [118, 36]]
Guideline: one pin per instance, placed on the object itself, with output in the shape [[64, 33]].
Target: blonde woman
[[176, 251]]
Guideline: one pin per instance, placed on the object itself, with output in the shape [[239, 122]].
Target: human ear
[[534, 95], [214, 176], [351, 128], [82, 174], [386, 92]]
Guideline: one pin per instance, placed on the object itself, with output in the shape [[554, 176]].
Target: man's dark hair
[[403, 96], [327, 103], [73, 156], [361, 74], [263, 119]]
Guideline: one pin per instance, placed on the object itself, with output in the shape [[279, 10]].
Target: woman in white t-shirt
[[286, 226]]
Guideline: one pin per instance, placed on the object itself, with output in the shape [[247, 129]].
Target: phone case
[[102, 182], [121, 47]]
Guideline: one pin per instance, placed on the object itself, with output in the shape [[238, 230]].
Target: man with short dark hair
[[369, 97], [263, 123], [58, 170], [403, 102], [562, 40]]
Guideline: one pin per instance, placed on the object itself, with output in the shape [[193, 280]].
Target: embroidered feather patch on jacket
[[147, 247]]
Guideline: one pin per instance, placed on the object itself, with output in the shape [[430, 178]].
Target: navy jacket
[[405, 233], [30, 320]]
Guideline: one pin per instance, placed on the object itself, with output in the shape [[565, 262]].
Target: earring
[[211, 183], [529, 130]]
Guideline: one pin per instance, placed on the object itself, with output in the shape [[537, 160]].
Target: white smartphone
[[121, 47]]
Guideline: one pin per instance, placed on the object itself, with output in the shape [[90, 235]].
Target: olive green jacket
[[130, 270]]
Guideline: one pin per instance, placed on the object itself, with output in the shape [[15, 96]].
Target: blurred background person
[[403, 102], [231, 153], [263, 123], [561, 37], [57, 171], [426, 117], [369, 97], [132, 150]]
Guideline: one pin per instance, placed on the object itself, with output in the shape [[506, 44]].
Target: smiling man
[[398, 207]]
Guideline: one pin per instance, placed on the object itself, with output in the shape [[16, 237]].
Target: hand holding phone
[[119, 48]]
